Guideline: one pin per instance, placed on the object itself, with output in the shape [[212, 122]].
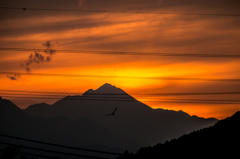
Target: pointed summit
[[90, 91], [106, 89]]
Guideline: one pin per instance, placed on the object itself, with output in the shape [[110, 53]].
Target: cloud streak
[[14, 77], [39, 58], [114, 33]]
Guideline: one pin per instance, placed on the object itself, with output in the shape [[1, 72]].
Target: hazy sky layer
[[129, 26]]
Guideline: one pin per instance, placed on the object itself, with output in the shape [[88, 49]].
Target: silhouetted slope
[[106, 89], [80, 132], [218, 141], [132, 120]]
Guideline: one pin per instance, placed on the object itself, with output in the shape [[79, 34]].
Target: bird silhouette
[[113, 113], [24, 9]]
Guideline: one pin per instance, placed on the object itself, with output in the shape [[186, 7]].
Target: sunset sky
[[114, 41]]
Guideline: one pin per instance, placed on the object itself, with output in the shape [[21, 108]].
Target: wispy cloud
[[39, 58], [14, 77]]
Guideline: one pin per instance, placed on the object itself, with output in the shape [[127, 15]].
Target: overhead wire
[[37, 155], [123, 94], [51, 151], [74, 98], [59, 145], [206, 101], [122, 12], [200, 102], [195, 55], [124, 77], [67, 96], [117, 96], [125, 53]]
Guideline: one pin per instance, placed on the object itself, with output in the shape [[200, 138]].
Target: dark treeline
[[221, 140]]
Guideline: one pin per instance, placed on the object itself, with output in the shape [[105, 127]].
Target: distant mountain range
[[82, 121], [218, 141], [81, 132]]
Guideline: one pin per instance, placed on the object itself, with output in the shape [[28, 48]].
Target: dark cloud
[[227, 6], [13, 77], [26, 29], [39, 58], [49, 49], [32, 58], [210, 6]]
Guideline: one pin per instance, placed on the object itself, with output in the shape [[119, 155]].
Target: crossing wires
[[195, 55], [58, 145], [121, 12]]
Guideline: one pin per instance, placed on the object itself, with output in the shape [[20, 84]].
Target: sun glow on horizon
[[118, 48]]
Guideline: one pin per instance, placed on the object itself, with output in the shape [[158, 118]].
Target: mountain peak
[[107, 85], [108, 88], [105, 89], [7, 106]]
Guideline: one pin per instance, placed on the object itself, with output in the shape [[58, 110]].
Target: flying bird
[[113, 113], [24, 9]]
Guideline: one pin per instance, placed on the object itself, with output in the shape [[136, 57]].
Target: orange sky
[[125, 32]]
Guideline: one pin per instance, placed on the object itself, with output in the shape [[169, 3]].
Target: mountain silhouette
[[106, 89], [218, 141], [134, 120], [81, 132]]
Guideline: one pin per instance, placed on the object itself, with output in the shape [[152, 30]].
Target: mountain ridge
[[59, 130], [218, 141], [133, 119]]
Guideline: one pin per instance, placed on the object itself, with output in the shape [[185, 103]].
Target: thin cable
[[59, 93], [134, 100], [198, 102], [77, 98], [123, 94], [124, 77], [51, 151], [125, 12], [85, 96], [45, 156], [130, 53], [58, 145]]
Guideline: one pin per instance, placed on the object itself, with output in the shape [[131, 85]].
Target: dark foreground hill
[[219, 141], [132, 120], [81, 132]]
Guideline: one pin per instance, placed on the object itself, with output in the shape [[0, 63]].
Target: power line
[[75, 98], [51, 151], [121, 97], [85, 96], [124, 77], [58, 145], [196, 55], [45, 156], [63, 93], [122, 94], [124, 12], [206, 101], [200, 102]]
